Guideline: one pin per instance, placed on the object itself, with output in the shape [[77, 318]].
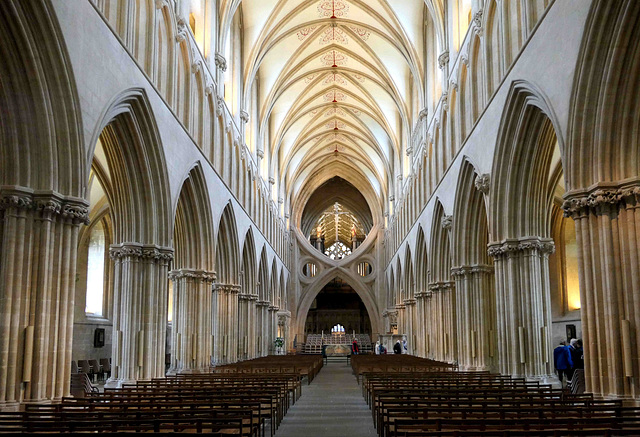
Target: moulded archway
[[355, 283]]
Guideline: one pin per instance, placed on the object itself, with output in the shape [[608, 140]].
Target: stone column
[[139, 311], [607, 219], [410, 309], [475, 316], [272, 327], [191, 333], [243, 325], [400, 317], [443, 317], [252, 323], [39, 241], [420, 328], [430, 324], [283, 326], [523, 306], [262, 324]]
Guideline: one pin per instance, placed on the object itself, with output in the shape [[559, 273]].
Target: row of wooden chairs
[[307, 366], [93, 368], [438, 402], [215, 404], [396, 363]]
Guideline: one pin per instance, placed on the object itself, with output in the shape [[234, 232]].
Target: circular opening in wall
[[364, 269], [309, 270]]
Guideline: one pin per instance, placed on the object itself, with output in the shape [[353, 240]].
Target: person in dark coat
[[562, 361], [354, 347], [397, 348]]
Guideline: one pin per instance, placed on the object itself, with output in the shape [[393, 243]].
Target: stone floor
[[331, 406]]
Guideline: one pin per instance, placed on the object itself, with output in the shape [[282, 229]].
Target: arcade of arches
[[199, 177]]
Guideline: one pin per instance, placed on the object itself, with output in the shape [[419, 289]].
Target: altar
[[336, 351]]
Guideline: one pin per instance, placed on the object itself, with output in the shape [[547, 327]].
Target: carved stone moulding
[[220, 62], [524, 245], [141, 252], [602, 197], [48, 204], [409, 302], [226, 288], [483, 183], [441, 286], [446, 222], [443, 59], [193, 274], [470, 269], [263, 303]]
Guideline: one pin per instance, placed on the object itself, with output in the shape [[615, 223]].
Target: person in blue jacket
[[562, 361]]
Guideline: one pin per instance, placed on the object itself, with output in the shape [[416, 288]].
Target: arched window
[[95, 271]]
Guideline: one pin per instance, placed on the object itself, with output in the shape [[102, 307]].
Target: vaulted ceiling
[[339, 84]]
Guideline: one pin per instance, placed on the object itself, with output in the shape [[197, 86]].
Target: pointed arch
[[327, 276], [607, 84], [470, 227], [193, 224], [526, 143], [227, 249], [139, 194], [40, 123], [249, 268], [440, 250]]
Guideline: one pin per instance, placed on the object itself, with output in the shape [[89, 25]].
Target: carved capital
[[445, 101], [423, 113], [483, 183], [48, 205], [192, 274], [141, 252], [16, 199], [260, 153], [527, 245], [244, 116], [601, 198]]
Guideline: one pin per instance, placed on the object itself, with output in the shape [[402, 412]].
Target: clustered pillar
[[39, 241], [476, 316], [442, 324], [247, 321], [192, 314], [225, 323], [607, 219], [523, 306], [140, 311], [410, 310]]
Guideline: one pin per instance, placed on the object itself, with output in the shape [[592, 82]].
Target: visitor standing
[[562, 361], [397, 348], [377, 350]]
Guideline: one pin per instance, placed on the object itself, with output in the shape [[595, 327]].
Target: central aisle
[[331, 406]]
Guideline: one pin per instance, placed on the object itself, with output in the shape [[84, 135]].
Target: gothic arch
[[358, 287], [249, 265], [440, 260], [526, 142], [607, 84], [40, 125], [139, 194], [227, 257], [193, 224], [470, 224]]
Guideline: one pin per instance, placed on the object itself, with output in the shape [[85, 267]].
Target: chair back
[[106, 365]]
